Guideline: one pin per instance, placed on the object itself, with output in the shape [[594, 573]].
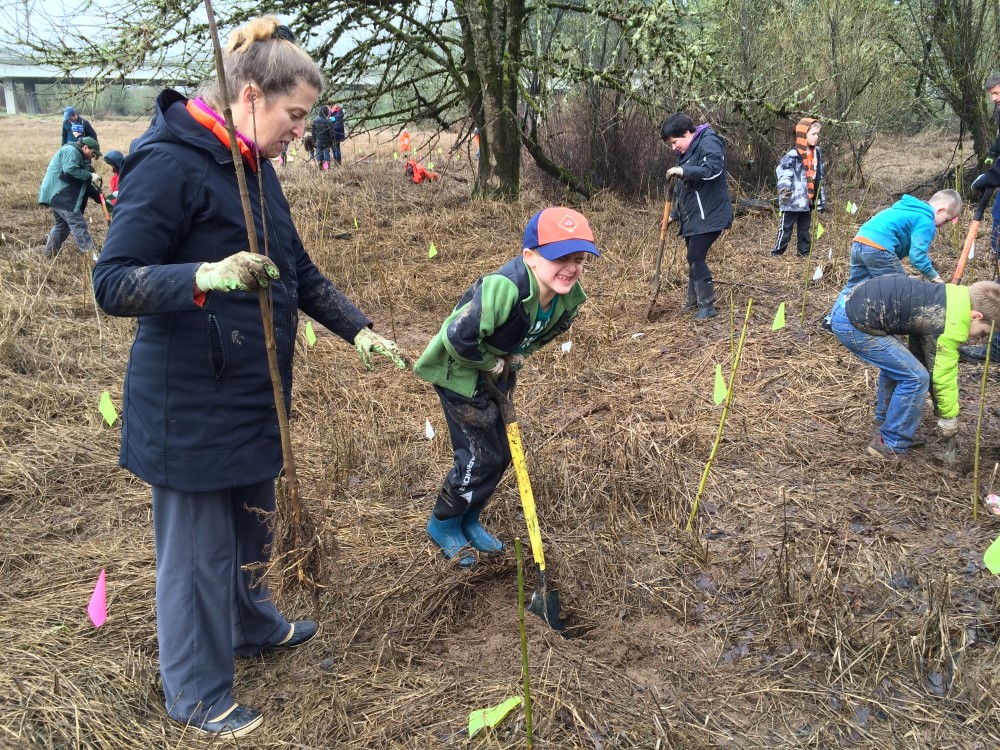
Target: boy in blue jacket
[[501, 319], [904, 230]]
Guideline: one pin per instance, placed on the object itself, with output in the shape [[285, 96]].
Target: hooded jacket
[[702, 195], [492, 319], [793, 183], [322, 129], [66, 183], [907, 229], [936, 317], [67, 130], [199, 410]]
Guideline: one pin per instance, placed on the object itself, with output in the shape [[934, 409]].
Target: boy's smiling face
[[554, 276]]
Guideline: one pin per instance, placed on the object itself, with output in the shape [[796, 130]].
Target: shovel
[[970, 238], [654, 291], [544, 602]]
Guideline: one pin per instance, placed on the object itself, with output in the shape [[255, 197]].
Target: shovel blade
[[545, 604]]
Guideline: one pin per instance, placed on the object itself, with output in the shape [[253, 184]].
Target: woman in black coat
[[701, 203], [199, 421]]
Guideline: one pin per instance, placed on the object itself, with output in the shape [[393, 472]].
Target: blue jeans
[[902, 380], [868, 262]]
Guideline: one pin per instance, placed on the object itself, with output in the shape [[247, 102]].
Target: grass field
[[823, 600]]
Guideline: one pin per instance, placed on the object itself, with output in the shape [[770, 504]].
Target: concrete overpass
[[25, 74]]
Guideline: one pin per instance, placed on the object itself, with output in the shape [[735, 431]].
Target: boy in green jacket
[[503, 318], [873, 321]]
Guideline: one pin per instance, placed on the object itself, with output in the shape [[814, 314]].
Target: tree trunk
[[491, 30]]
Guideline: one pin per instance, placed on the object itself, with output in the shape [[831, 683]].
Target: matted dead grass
[[845, 604]]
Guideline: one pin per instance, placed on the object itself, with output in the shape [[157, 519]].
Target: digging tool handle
[[664, 224], [970, 238], [107, 214], [506, 406]]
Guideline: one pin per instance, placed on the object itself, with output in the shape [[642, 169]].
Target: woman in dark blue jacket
[[701, 203], [199, 421]]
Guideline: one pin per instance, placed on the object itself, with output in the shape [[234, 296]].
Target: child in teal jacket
[[501, 319]]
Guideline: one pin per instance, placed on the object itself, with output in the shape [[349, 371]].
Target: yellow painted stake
[[722, 422], [524, 641]]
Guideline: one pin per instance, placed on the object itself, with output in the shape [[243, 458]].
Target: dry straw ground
[[845, 605]]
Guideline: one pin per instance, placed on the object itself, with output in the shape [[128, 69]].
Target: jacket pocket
[[701, 208], [216, 349]]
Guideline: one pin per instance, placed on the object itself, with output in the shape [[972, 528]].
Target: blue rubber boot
[[447, 535], [479, 537]]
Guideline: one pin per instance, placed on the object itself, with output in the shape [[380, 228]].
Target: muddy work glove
[[514, 362], [245, 271], [948, 427], [367, 341]]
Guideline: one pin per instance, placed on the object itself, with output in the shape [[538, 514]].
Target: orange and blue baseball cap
[[556, 232]]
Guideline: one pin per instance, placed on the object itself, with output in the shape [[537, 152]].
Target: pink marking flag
[[98, 607]]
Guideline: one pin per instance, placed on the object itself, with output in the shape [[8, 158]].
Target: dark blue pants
[[801, 222], [698, 246], [207, 609], [482, 455]]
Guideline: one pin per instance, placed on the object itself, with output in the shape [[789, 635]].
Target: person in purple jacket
[[702, 202], [199, 421]]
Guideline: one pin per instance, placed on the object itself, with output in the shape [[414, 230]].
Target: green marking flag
[[490, 717], [992, 557], [851, 207], [430, 165], [107, 409], [355, 222], [395, 155], [310, 333], [819, 230], [779, 318], [720, 386], [433, 251]]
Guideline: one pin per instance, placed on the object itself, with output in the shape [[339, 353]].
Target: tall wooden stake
[[291, 483]]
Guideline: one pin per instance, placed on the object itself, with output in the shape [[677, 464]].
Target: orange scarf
[[219, 129], [807, 152]]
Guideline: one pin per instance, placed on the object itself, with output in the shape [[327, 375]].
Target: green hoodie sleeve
[[944, 365], [467, 326]]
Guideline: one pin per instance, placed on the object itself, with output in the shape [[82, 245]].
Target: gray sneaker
[[879, 449]]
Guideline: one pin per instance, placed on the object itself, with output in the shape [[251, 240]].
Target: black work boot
[[691, 300], [705, 291]]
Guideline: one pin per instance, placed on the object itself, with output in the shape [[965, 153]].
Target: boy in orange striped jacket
[[800, 187]]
